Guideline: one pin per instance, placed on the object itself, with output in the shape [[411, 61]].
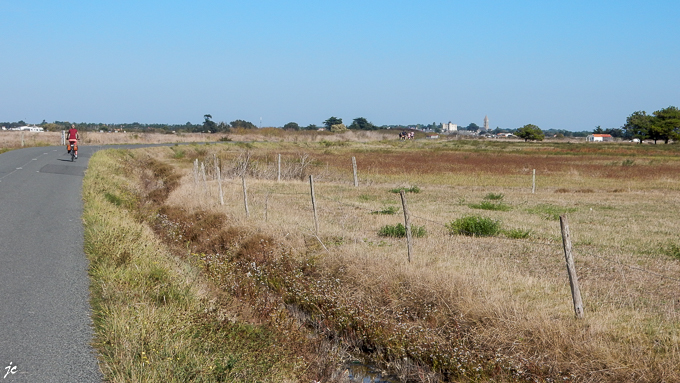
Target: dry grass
[[500, 308]]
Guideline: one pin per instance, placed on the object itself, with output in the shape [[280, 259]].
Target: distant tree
[[530, 132], [311, 127], [472, 127], [598, 130], [209, 125], [666, 124], [362, 124], [332, 121], [291, 126], [637, 125], [242, 124]]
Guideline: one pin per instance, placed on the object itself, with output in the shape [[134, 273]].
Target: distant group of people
[[406, 135]]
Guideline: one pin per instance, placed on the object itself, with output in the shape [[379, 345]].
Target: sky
[[570, 65]]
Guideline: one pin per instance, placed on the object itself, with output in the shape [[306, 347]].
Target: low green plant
[[494, 197], [389, 210], [627, 162], [486, 205], [399, 231], [474, 226], [517, 233], [367, 197], [550, 212], [413, 189]]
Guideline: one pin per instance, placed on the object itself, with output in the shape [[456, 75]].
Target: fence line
[[580, 248]]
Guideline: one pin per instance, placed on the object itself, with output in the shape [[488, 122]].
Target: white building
[[450, 127]]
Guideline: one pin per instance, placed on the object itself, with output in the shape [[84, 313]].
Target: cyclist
[[73, 138]]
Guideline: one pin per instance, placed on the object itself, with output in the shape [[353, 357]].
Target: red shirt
[[72, 134]]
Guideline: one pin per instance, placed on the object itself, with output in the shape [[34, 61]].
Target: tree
[[666, 124], [332, 121], [530, 132], [291, 126], [362, 124], [209, 125], [311, 127], [598, 130], [242, 124], [637, 125], [472, 127]]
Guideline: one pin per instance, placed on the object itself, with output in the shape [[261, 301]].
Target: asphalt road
[[45, 315]]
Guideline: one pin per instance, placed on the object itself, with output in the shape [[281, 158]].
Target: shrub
[[399, 231], [486, 205], [474, 226], [389, 210], [413, 189], [495, 197]]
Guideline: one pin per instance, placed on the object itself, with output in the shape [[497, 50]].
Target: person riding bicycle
[[73, 139]]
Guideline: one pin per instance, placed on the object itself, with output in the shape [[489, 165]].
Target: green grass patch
[[672, 250], [550, 212], [517, 233], [486, 205], [474, 226], [399, 231]]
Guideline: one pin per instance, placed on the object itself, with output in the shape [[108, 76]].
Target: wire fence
[[582, 249]]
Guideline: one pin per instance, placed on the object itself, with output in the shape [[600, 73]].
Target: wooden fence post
[[533, 182], [205, 182], [354, 168], [219, 185], [196, 172], [316, 218], [278, 178], [571, 268], [245, 195], [407, 220], [266, 208]]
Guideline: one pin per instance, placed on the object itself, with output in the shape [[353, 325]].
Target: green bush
[[412, 189], [399, 231], [474, 226], [486, 205]]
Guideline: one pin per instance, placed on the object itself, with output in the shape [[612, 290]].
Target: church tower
[[486, 123]]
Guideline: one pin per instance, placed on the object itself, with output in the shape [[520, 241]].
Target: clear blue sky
[[557, 64]]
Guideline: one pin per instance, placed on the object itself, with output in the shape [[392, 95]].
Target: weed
[[627, 162], [492, 196], [399, 231], [474, 226], [389, 210], [367, 197]]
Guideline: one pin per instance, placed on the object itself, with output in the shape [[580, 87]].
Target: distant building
[[27, 128], [486, 123], [450, 127], [599, 138]]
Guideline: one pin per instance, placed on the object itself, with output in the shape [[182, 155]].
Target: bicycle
[[72, 150]]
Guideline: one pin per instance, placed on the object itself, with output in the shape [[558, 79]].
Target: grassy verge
[[155, 320]]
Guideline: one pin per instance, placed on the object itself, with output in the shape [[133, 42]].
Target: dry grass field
[[466, 308]]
